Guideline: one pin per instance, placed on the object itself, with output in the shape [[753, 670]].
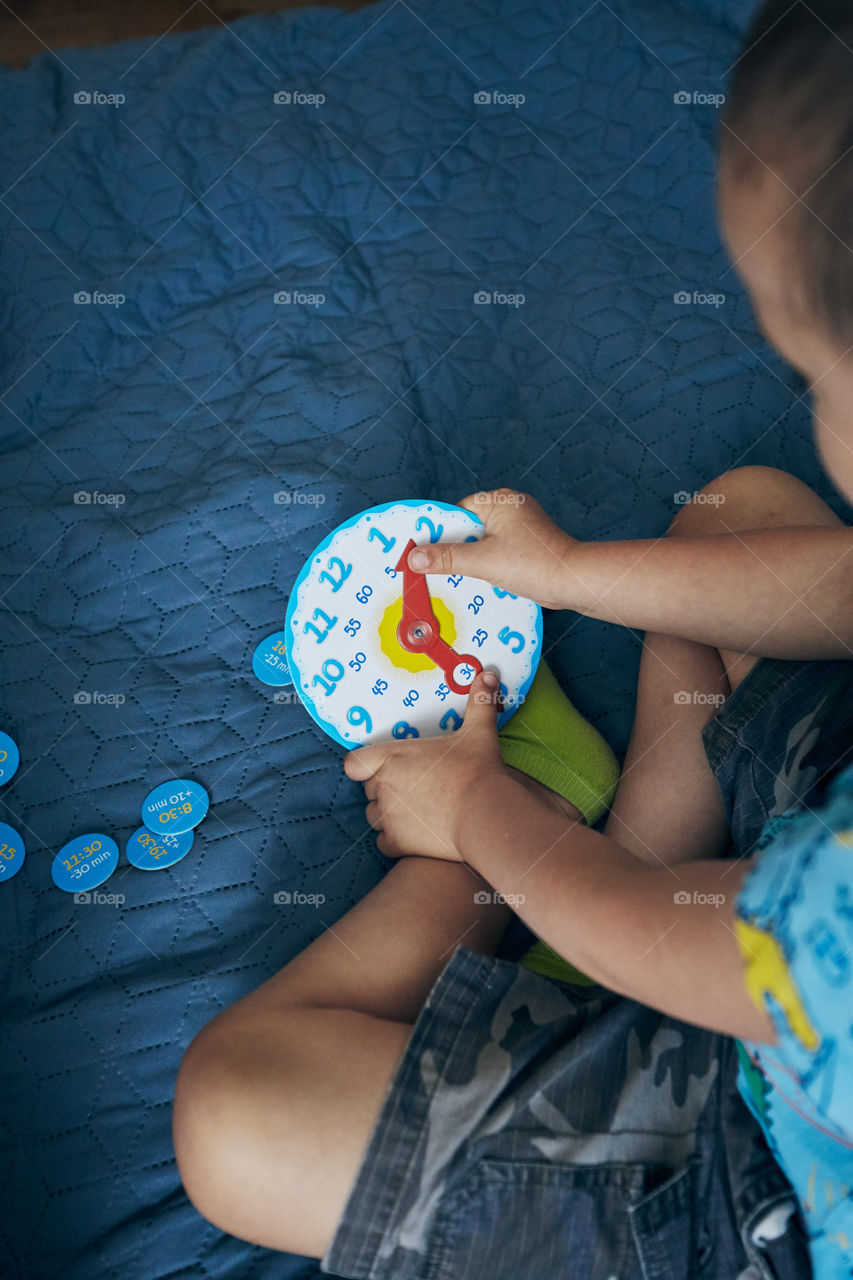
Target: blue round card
[[152, 853], [10, 758], [12, 852], [269, 662], [174, 807], [84, 862]]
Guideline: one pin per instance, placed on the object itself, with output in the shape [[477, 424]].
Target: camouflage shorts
[[537, 1130]]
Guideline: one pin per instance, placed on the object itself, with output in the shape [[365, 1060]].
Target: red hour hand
[[419, 631]]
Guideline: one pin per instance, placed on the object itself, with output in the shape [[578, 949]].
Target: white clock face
[[344, 652]]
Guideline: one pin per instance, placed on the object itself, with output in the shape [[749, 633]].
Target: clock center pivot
[[419, 634]]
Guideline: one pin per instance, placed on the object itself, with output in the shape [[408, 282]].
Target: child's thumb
[[449, 557], [484, 699]]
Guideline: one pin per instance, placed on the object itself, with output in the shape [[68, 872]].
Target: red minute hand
[[419, 631]]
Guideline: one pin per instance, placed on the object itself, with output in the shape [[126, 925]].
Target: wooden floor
[[30, 26]]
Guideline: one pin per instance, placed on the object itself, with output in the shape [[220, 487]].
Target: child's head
[[786, 200]]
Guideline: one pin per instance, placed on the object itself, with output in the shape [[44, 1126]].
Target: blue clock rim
[[307, 700]]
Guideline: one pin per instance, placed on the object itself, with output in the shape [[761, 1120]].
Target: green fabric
[[549, 740], [541, 959]]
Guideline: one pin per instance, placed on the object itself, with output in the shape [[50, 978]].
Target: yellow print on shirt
[[767, 974]]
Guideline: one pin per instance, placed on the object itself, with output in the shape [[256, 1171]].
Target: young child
[[402, 1104]]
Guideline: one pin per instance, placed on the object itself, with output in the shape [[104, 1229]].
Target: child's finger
[[481, 559], [485, 502], [484, 700], [362, 763], [385, 844], [445, 557], [486, 558]]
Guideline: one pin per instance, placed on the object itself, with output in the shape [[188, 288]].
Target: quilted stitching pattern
[[199, 399]]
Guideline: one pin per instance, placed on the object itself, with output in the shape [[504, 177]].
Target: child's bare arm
[[617, 918], [662, 936], [779, 593]]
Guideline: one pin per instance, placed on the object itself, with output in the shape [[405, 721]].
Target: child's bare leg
[[382, 957], [667, 806], [277, 1096]]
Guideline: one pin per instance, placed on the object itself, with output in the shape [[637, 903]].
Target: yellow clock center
[[394, 651]]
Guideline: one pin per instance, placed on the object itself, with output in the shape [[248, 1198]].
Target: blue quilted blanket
[[255, 279]]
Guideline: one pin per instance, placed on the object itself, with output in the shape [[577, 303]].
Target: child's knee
[[201, 1128], [219, 1132], [243, 1122], [752, 497]]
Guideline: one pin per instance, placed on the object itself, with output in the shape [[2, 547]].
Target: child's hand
[[417, 787], [521, 551]]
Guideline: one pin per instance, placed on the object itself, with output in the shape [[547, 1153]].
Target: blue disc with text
[[175, 807], [10, 758], [84, 862], [12, 852], [151, 853], [269, 663]]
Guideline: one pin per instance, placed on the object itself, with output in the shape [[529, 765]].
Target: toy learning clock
[[378, 652]]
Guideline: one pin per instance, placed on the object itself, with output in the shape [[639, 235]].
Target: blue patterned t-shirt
[[794, 922]]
